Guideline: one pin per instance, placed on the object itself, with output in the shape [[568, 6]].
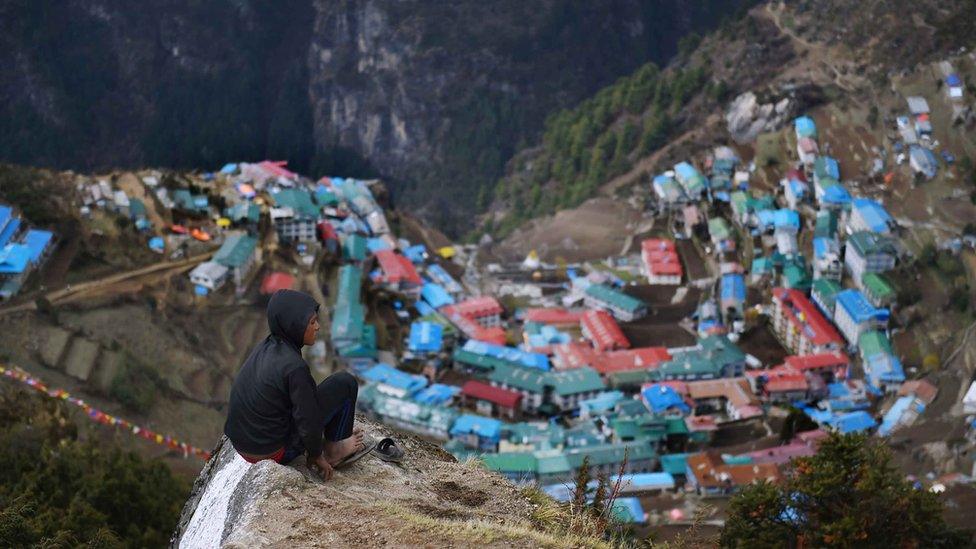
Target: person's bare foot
[[338, 451]]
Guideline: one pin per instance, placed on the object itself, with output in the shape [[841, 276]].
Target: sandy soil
[[596, 229]]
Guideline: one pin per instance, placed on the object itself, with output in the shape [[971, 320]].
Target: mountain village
[[741, 315]]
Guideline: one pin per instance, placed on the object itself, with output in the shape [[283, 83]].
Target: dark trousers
[[337, 400]]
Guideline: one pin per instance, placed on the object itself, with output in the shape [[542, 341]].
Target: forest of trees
[[58, 490], [601, 138]]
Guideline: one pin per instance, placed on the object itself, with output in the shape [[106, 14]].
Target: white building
[[210, 275], [854, 315], [868, 252]]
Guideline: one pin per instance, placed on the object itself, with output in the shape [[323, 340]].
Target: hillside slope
[[428, 500], [811, 54]]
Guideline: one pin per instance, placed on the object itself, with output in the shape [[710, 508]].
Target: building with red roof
[[831, 366], [661, 263], [472, 330], [397, 272], [732, 395], [489, 400], [485, 310], [569, 356], [276, 168], [603, 331], [554, 316], [779, 384], [708, 474], [800, 325], [277, 281], [641, 358]]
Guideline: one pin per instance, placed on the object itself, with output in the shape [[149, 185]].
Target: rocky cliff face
[[429, 500], [435, 95]]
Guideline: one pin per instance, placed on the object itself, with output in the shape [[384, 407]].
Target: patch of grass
[[136, 385], [482, 531]]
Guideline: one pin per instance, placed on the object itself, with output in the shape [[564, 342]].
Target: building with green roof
[[873, 342], [878, 290], [244, 213], [868, 252], [826, 225], [354, 247], [796, 275], [719, 230], [351, 336], [294, 215], [561, 389], [824, 293], [714, 357], [519, 467], [674, 464], [239, 253], [424, 419], [631, 380], [622, 306]]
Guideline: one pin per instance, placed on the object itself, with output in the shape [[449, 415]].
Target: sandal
[[387, 450], [368, 446]]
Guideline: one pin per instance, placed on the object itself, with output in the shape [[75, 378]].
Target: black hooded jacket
[[273, 396]]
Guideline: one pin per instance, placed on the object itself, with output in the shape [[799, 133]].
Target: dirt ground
[[595, 230], [762, 344], [695, 267]]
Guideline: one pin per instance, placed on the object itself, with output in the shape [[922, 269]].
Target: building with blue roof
[[669, 193], [835, 196], [394, 382], [436, 295], [786, 220], [38, 243], [539, 336], [855, 315], [827, 261], [692, 181], [881, 367], [795, 191], [425, 338], [804, 126], [825, 167], [599, 404], [481, 433], [437, 394], [14, 261], [440, 276], [417, 253], [869, 215], [377, 244], [663, 399], [9, 230], [424, 309], [505, 354], [923, 161], [853, 422], [631, 484], [733, 292], [6, 214]]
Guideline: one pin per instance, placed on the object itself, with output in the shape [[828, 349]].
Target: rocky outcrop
[[429, 500]]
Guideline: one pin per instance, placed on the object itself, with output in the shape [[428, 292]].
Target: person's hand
[[321, 466]]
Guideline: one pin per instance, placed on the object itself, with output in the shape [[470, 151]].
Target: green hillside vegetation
[[601, 138], [57, 490]]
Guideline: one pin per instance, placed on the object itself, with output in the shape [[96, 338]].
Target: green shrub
[[56, 491], [135, 386]]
